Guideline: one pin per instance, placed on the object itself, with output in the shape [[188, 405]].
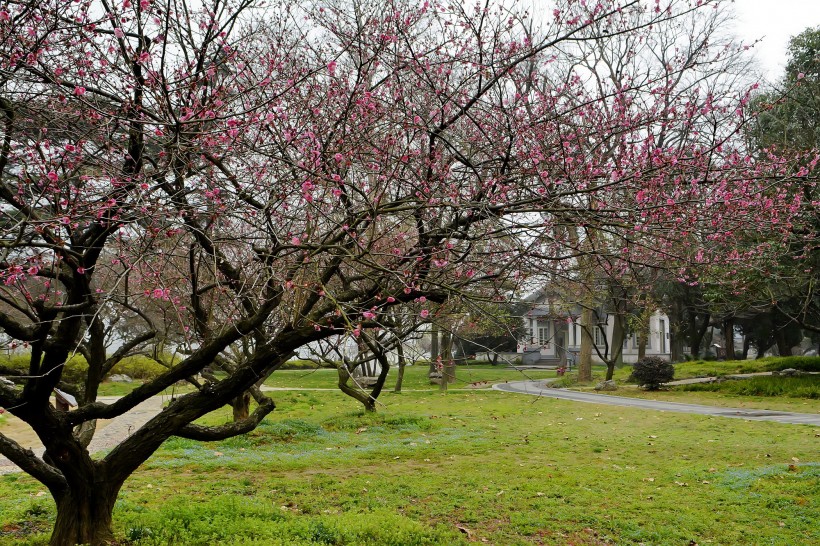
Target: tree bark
[[400, 361], [241, 406], [697, 335], [616, 350], [84, 515], [585, 353], [434, 352], [448, 369], [729, 337], [783, 348]]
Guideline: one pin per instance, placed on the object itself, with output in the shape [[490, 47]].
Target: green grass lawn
[[718, 398], [415, 377], [467, 466]]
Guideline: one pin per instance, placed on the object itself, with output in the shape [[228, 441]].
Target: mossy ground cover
[[467, 466]]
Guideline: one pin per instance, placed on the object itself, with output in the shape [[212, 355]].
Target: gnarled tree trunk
[[84, 515]]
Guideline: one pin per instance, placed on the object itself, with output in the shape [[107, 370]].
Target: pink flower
[[70, 148], [369, 315], [4, 16], [81, 270], [331, 67], [425, 313], [52, 176], [145, 57], [79, 91], [391, 299], [118, 32], [338, 157], [296, 241], [33, 270]]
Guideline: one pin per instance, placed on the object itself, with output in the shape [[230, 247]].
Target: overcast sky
[[775, 21]]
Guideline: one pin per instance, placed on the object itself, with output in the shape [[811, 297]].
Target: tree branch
[[210, 434]]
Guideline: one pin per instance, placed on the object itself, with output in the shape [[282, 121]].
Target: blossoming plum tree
[[270, 175]]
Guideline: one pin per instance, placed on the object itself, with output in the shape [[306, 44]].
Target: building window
[[599, 336], [544, 335]]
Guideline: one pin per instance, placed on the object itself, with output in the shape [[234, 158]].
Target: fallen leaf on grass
[[217, 454], [465, 531], [360, 430], [649, 479], [682, 484]]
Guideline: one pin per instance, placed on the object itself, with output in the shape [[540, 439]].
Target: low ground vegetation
[[794, 387], [468, 466]]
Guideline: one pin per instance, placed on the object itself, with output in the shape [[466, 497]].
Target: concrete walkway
[[109, 433], [539, 388]]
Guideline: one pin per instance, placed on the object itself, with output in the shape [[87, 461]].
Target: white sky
[[775, 21]]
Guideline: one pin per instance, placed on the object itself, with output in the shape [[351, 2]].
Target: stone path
[[540, 388], [109, 433]]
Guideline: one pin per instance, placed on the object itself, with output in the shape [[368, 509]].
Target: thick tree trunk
[[783, 347], [85, 516], [747, 343], [585, 353]]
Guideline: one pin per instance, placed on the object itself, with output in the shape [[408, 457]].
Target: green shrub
[[652, 371], [306, 365], [805, 363], [75, 368], [141, 367]]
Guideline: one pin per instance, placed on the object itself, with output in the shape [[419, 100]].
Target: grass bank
[[468, 466]]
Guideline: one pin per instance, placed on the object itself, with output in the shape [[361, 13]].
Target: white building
[[554, 335]]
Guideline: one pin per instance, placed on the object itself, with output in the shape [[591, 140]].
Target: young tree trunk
[[241, 406], [84, 516], [729, 337], [585, 353], [401, 363], [448, 369], [642, 339], [434, 352]]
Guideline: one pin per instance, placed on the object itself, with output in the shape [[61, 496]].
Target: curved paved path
[[537, 388], [109, 433]]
